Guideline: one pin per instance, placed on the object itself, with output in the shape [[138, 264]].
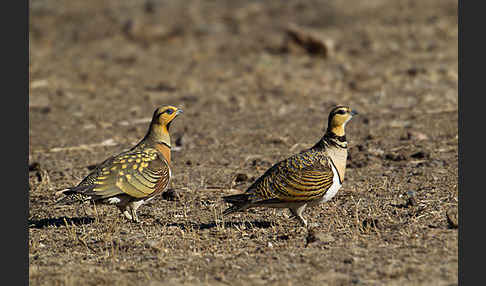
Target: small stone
[[171, 195], [240, 177], [283, 237], [34, 167], [315, 236], [309, 41], [420, 155], [149, 7], [452, 218], [153, 243], [399, 123], [413, 71], [348, 260], [411, 202], [395, 157], [39, 102], [179, 141], [376, 152], [416, 136], [277, 140], [39, 83]]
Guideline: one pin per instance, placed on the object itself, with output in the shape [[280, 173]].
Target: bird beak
[[179, 111], [354, 112]]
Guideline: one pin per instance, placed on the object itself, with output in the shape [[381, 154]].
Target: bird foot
[[135, 218], [302, 221], [127, 214]]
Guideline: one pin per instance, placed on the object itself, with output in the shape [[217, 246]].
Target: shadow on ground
[[228, 224], [60, 221]]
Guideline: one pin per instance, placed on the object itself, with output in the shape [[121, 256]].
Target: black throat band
[[332, 135], [168, 146]]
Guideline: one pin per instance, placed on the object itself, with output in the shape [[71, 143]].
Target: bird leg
[[125, 211], [127, 214], [133, 209], [134, 215], [297, 212]]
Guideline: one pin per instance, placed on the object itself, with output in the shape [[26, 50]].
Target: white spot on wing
[[113, 200]]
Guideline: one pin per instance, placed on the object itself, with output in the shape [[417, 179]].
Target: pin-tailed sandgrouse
[[305, 179], [133, 177]]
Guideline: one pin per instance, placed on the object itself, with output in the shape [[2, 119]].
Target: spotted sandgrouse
[[133, 177], [305, 179]]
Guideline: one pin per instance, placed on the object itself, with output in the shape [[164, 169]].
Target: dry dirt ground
[[256, 81]]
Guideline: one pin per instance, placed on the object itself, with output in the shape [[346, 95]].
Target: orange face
[[340, 115], [164, 115], [338, 118]]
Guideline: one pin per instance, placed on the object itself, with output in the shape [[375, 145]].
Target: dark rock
[[171, 195], [420, 155], [34, 167], [452, 218], [241, 177]]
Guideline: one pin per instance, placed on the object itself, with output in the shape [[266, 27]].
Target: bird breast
[[338, 157]]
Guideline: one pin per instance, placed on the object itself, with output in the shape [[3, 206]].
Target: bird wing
[[302, 177], [138, 174]]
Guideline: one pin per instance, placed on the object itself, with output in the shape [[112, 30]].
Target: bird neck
[[164, 149], [158, 134], [157, 137], [336, 147], [337, 130], [331, 139]]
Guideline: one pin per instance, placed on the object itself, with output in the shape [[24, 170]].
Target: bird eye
[[169, 111], [340, 111]]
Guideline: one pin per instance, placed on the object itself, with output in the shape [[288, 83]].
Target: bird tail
[[70, 196], [239, 202]]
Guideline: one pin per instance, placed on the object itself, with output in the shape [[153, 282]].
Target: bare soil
[[256, 81]]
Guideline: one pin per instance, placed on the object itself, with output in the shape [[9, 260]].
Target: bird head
[[164, 115], [161, 120], [339, 116]]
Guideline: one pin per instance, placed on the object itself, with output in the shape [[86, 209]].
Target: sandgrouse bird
[[305, 179], [133, 177]]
